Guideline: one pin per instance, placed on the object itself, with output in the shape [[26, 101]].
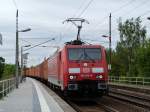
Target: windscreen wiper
[[80, 57], [86, 55]]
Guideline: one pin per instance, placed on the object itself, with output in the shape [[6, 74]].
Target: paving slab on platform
[[32, 96]]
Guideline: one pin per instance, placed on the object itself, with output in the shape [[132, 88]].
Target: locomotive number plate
[[86, 70]]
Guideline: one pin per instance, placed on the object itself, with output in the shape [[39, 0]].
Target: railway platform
[[33, 96]]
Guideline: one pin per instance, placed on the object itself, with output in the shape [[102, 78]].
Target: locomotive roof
[[83, 46]]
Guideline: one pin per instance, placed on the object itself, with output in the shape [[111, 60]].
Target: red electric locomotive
[[77, 68]]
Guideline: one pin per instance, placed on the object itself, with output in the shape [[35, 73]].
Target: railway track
[[141, 100], [86, 105], [120, 105], [145, 103], [118, 100], [91, 106]]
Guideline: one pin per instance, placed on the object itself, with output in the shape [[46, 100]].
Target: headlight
[[71, 77], [99, 76]]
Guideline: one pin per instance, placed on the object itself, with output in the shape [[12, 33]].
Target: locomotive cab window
[[84, 53]]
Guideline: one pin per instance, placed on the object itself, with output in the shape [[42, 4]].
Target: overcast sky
[[45, 18]]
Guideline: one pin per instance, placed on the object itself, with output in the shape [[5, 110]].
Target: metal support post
[[110, 42], [17, 51], [3, 88], [9, 86], [21, 64]]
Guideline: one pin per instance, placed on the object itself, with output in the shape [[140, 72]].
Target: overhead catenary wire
[[145, 13], [82, 11], [123, 6], [141, 4], [25, 41], [104, 18], [116, 10], [15, 4], [85, 8], [134, 8], [79, 8], [35, 38], [40, 44], [141, 15]]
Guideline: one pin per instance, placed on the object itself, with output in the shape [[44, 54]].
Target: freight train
[[76, 69]]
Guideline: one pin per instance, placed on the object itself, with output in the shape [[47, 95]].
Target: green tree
[[132, 37], [143, 60], [119, 63], [9, 71], [2, 63]]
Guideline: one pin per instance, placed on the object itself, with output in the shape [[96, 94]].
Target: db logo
[[86, 70], [85, 64]]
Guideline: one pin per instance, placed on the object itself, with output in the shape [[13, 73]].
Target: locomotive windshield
[[84, 53]]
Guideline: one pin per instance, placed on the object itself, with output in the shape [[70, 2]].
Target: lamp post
[[22, 60], [17, 50], [109, 66], [109, 37]]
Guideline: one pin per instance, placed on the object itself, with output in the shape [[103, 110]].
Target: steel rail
[[144, 103]]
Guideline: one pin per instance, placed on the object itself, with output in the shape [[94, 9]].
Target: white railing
[[130, 80], [6, 86]]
